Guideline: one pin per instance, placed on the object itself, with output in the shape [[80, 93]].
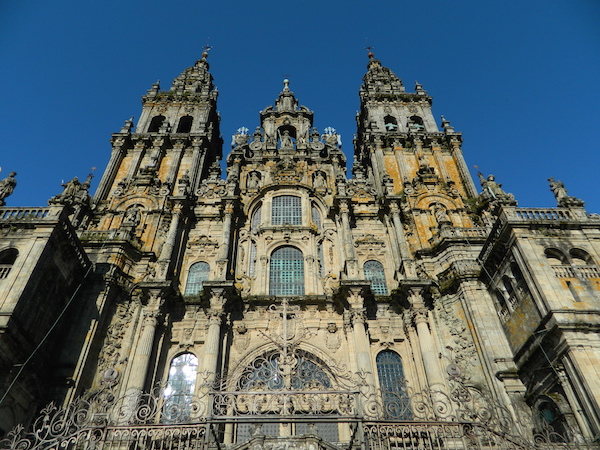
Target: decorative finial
[[206, 48], [286, 84]]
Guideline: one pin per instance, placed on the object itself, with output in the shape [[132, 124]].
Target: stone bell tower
[[143, 209], [408, 156]]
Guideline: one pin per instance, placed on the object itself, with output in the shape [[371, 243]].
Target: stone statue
[[71, 189], [560, 193], [7, 187], [132, 216], [319, 180], [286, 140], [441, 215], [493, 191], [558, 189], [253, 181]]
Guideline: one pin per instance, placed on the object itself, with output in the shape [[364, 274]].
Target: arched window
[[198, 273], [287, 272], [375, 274], [7, 259], [156, 123], [551, 422], [316, 216], [555, 257], [185, 124], [287, 210], [255, 222], [391, 124], [396, 403], [580, 257], [180, 389]]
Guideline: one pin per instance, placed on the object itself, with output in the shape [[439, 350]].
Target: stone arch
[[580, 257], [185, 124], [156, 123]]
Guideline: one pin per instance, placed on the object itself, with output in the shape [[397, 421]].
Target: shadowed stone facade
[[287, 303]]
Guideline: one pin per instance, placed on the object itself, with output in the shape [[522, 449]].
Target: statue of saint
[[319, 180], [7, 187], [132, 216], [441, 215], [253, 181], [558, 189], [71, 188], [286, 140]]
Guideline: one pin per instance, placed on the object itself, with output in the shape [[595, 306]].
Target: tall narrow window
[[287, 209], [321, 260], [185, 124], [180, 389], [287, 272], [156, 123], [375, 274], [255, 222], [316, 216], [199, 272], [7, 259], [396, 403]]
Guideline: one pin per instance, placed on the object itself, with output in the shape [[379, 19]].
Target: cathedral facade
[[288, 303]]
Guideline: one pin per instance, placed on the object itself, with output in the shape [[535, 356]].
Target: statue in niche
[[441, 215], [253, 180], [7, 187], [286, 140], [319, 180], [132, 216]]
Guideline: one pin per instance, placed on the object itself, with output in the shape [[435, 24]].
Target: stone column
[[409, 266], [212, 344], [138, 370], [111, 170], [225, 240], [351, 262], [139, 366], [174, 166], [166, 252], [138, 152], [362, 349], [428, 347], [462, 167]]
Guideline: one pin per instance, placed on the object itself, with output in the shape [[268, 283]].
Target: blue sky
[[519, 79]]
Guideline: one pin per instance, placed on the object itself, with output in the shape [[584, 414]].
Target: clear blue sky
[[518, 78]]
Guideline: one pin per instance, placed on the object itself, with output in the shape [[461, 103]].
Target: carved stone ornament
[[333, 339], [287, 170]]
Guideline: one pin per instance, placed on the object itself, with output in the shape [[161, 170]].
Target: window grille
[[287, 272], [396, 403], [287, 210], [316, 217], [198, 273], [375, 274], [180, 388], [7, 259], [256, 218]]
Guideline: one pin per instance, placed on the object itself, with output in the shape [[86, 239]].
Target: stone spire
[[380, 80], [194, 80], [286, 101]]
